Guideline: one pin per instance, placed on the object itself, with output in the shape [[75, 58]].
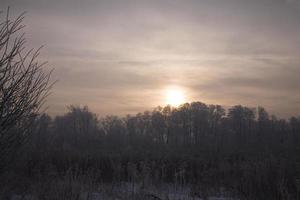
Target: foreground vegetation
[[243, 151]]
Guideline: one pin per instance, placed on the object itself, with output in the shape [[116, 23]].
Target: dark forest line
[[245, 150]]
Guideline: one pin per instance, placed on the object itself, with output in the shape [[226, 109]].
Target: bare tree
[[24, 84]]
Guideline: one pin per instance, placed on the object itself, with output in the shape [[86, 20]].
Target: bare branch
[[24, 84]]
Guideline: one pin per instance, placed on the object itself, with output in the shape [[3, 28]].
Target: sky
[[124, 56]]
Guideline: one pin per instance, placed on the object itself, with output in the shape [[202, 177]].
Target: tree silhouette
[[24, 84]]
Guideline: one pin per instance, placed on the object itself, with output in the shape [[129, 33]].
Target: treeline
[[244, 150]]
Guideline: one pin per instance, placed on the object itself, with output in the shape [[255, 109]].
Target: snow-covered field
[[99, 196], [129, 191]]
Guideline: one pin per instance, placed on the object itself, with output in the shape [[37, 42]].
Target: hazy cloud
[[118, 55]]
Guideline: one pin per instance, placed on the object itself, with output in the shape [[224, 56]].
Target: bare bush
[[24, 84]]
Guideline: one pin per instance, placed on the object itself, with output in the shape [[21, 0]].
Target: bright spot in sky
[[175, 97]]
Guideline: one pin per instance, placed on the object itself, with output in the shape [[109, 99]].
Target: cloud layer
[[118, 56]]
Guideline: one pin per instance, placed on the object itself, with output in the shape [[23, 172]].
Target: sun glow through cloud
[[206, 50], [175, 97]]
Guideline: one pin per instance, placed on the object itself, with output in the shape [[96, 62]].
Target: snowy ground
[[99, 196], [128, 191]]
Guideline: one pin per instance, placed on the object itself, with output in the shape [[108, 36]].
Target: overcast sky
[[119, 56]]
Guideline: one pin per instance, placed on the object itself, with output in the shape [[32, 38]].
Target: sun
[[175, 97]]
